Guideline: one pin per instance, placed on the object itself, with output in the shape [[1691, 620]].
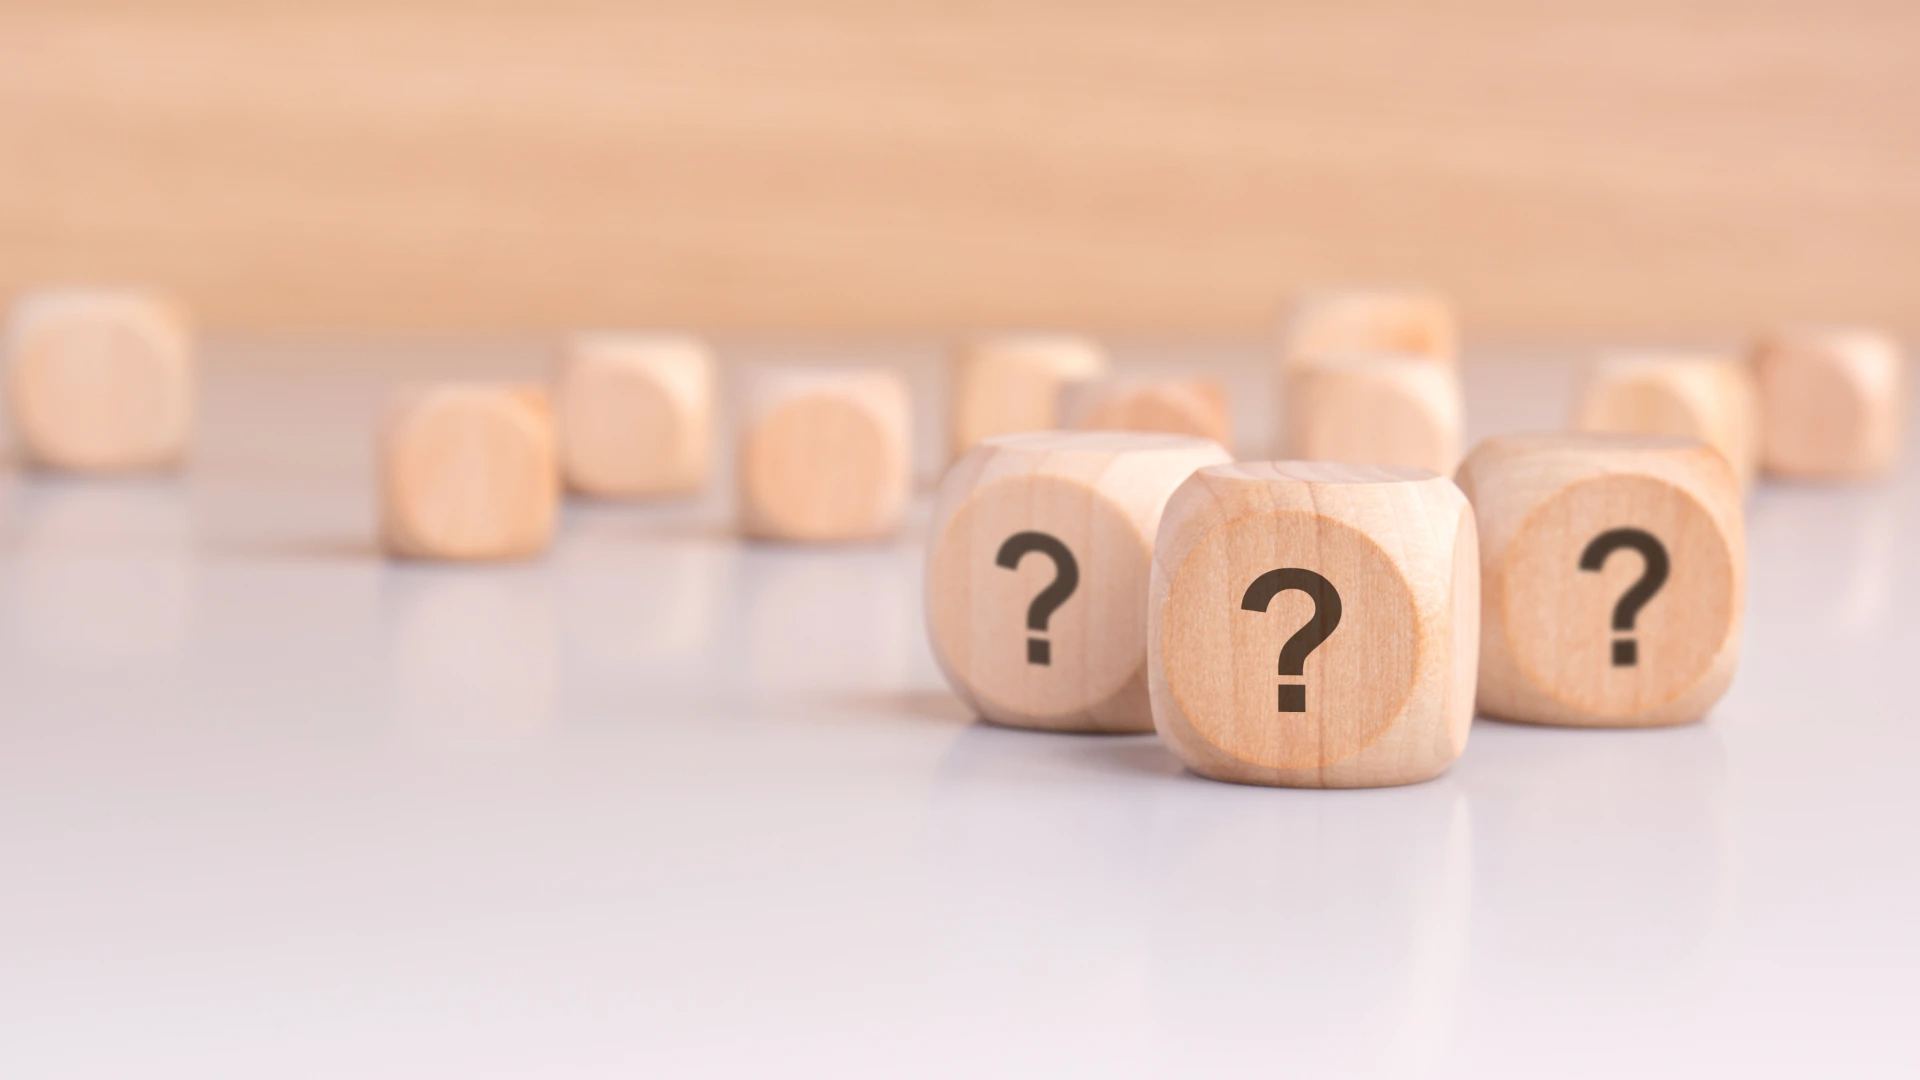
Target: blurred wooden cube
[[1832, 402], [1615, 577], [1702, 396], [1011, 383], [469, 471], [100, 380], [824, 455], [1375, 410], [635, 414], [1314, 624], [1125, 403], [1331, 322]]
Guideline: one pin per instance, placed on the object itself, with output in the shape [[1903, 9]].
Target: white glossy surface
[[668, 804]]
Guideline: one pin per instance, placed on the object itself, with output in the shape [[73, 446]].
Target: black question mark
[[1066, 578], [1626, 653], [1326, 616]]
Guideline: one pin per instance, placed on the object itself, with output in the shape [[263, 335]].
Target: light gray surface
[[668, 804]]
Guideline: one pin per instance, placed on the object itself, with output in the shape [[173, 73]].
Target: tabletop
[[665, 802]]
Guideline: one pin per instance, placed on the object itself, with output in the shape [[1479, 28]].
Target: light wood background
[[1618, 168]]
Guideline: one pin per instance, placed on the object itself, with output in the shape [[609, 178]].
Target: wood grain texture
[[635, 414], [1099, 496], [1706, 396], [1387, 696], [1589, 168], [469, 471], [1549, 651], [1374, 410], [1833, 402], [1132, 403], [824, 455], [99, 380]]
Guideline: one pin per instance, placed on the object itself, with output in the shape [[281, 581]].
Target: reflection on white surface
[[839, 616], [1838, 548], [1333, 924], [473, 653], [618, 611], [102, 571], [1598, 874]]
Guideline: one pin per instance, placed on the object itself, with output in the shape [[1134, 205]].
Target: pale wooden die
[[100, 380], [469, 471], [635, 414], [824, 455], [1329, 322], [1195, 407], [1037, 568], [1375, 410], [1614, 571], [1832, 402], [1011, 383], [1314, 624], [1702, 396]]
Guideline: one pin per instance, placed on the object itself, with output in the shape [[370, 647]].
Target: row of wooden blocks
[[1311, 624], [103, 380]]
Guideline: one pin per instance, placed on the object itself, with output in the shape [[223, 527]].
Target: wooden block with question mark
[[1614, 571], [1314, 624], [1701, 396], [1374, 409], [100, 380], [1011, 383], [1331, 322], [1175, 406], [469, 471], [635, 414], [824, 455], [1832, 402], [1037, 573]]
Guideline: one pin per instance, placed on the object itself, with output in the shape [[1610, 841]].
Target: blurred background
[[1563, 170]]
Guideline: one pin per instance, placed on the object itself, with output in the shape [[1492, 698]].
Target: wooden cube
[[635, 414], [1314, 624], [1374, 410], [1331, 322], [1037, 573], [1701, 396], [100, 380], [825, 455], [1195, 407], [1614, 571], [1012, 383], [1832, 402], [469, 471]]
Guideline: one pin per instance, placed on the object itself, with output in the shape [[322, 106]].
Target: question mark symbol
[[1626, 653], [1326, 616], [1066, 578]]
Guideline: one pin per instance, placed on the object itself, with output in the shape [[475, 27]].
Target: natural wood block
[[100, 380], [1314, 624], [1331, 322], [1707, 397], [1614, 571], [825, 455], [1012, 382], [1374, 410], [1832, 402], [635, 414], [1037, 573], [1174, 406], [470, 471]]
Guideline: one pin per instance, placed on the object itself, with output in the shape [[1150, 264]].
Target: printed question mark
[[1626, 653], [1066, 578], [1326, 616]]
